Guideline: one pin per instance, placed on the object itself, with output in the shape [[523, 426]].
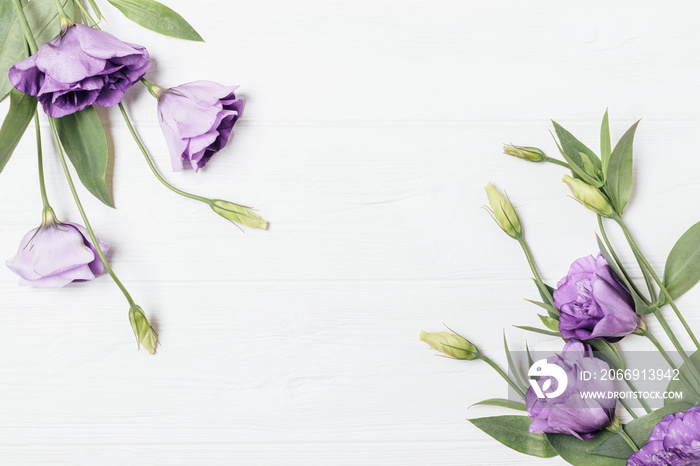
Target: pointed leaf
[[43, 20], [580, 452], [83, 138], [582, 160], [551, 310], [620, 177], [682, 270], [552, 324], [157, 17], [608, 352], [538, 330], [605, 144], [22, 108], [511, 365], [504, 403], [513, 432]]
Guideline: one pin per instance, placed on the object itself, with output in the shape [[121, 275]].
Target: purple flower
[[196, 119], [577, 411], [593, 303], [86, 66], [674, 441], [56, 254]]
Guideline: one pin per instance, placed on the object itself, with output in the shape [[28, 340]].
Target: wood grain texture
[[369, 133]]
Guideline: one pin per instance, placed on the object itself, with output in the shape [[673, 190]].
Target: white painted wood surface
[[370, 130]]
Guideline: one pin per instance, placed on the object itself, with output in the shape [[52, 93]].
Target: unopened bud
[[589, 196], [238, 214], [503, 212], [450, 344], [145, 335], [533, 154]]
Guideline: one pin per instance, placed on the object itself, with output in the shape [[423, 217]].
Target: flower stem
[[24, 26], [93, 238], [153, 167], [40, 160], [556, 162], [495, 367], [645, 263], [86, 14], [619, 429], [533, 267], [65, 20]]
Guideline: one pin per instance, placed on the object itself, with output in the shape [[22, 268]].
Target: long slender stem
[[495, 367], [660, 348], [91, 233], [642, 401], [557, 162], [24, 26], [656, 278], [617, 260], [533, 267], [628, 408], [152, 166], [86, 13], [40, 160]]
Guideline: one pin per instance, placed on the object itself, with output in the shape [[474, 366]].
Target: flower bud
[[145, 335], [238, 214], [450, 344], [503, 212], [589, 196], [533, 154]]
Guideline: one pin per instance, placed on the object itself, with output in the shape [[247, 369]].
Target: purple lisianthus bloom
[[56, 254], [674, 441], [197, 119], [583, 407], [593, 303], [85, 66]]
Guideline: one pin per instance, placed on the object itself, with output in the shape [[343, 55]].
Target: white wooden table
[[370, 130]]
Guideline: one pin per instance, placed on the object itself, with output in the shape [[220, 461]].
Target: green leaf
[[513, 432], [545, 294], [83, 138], [511, 365], [580, 452], [538, 330], [640, 307], [608, 352], [552, 324], [620, 177], [551, 310], [504, 403], [605, 144], [582, 160], [22, 108], [43, 20], [682, 270], [639, 430], [157, 17], [684, 383]]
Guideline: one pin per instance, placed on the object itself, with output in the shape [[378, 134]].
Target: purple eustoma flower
[[56, 254], [196, 119], [593, 303], [85, 66], [674, 441], [584, 407]]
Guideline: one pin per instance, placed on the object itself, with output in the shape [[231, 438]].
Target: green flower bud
[[533, 154], [589, 196], [450, 344], [237, 213], [145, 335], [503, 212]]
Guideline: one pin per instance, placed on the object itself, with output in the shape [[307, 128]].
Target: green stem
[[640, 257], [556, 162], [660, 348], [24, 26], [40, 159], [642, 402], [65, 20], [629, 409], [86, 13], [153, 167], [617, 260], [533, 267], [495, 367], [91, 233], [619, 429]]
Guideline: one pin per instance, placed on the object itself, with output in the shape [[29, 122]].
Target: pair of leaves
[[613, 173], [513, 432], [44, 22], [157, 17]]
